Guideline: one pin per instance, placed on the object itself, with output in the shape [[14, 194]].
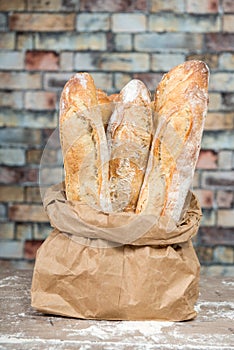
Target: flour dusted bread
[[180, 107], [84, 143], [129, 136]]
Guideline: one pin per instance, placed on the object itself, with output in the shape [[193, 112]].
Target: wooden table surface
[[21, 327]]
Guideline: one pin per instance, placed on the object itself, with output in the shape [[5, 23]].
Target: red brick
[[205, 254], [19, 80], [25, 212], [228, 6], [205, 197], [44, 5], [225, 199], [42, 22], [42, 60], [33, 195], [218, 178], [218, 42], [114, 6], [207, 160], [211, 60], [18, 175], [31, 247], [40, 100], [216, 236]]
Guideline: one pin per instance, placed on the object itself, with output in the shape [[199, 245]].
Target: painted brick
[[41, 60], [12, 5], [217, 270], [19, 80], [7, 41], [40, 100], [215, 101], [44, 5], [13, 99], [24, 41], [3, 22], [202, 7], [19, 175], [208, 218], [11, 156], [103, 81], [11, 249], [196, 179], [89, 22], [116, 6], [27, 213], [226, 61], [42, 22], [226, 217], [128, 22], [28, 119], [51, 176], [184, 23], [205, 254], [20, 137], [225, 160], [164, 62], [71, 41], [30, 248], [228, 100], [224, 255], [210, 59], [11, 60], [205, 197], [56, 81], [218, 179], [151, 80], [222, 82], [168, 41], [219, 121], [34, 156], [33, 195], [123, 42], [228, 6], [24, 231], [108, 62], [170, 5], [121, 79], [217, 141], [66, 61], [228, 24], [207, 160], [225, 199], [41, 230], [6, 230], [11, 194], [219, 42], [3, 212]]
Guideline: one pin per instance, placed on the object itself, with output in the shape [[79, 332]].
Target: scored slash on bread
[[84, 144], [129, 135], [180, 106]]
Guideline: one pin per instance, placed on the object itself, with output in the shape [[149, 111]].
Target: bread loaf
[[84, 144], [180, 106], [106, 106], [129, 136]]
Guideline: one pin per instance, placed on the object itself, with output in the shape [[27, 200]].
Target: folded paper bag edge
[[81, 220]]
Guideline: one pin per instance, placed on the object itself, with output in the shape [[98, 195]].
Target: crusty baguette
[[180, 105], [84, 143], [106, 106], [129, 136]]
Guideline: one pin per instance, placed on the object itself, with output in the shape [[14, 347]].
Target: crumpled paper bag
[[119, 266]]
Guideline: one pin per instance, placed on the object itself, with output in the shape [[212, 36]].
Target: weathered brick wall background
[[43, 42]]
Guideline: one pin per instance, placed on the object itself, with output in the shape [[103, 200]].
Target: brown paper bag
[[116, 266]]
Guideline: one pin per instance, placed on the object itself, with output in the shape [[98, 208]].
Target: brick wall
[[43, 42]]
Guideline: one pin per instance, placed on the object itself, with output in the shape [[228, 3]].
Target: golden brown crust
[[106, 106], [129, 137], [83, 142], [180, 106]]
